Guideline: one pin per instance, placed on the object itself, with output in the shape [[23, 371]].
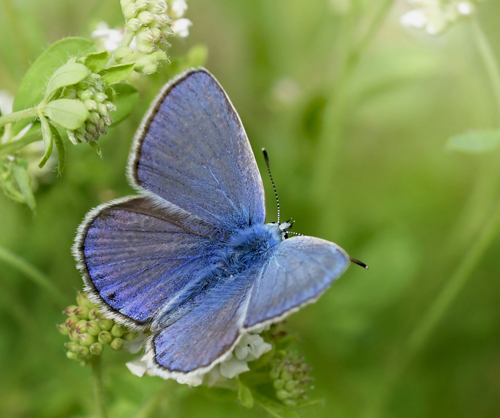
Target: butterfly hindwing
[[193, 152], [297, 273]]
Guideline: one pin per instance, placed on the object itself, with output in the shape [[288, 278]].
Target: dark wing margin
[[192, 151]]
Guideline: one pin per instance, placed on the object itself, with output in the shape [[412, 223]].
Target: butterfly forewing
[[192, 151]]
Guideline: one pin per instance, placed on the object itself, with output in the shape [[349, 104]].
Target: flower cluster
[[91, 92], [249, 348], [290, 378], [148, 25], [89, 331], [435, 16]]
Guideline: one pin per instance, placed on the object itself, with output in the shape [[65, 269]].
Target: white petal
[[6, 102], [179, 7], [138, 367], [215, 377], [233, 367], [257, 348], [190, 380], [464, 8], [414, 19], [180, 27]]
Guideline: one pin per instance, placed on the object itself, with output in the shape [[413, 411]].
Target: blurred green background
[[357, 148]]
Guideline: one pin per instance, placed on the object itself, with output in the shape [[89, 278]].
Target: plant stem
[[33, 273], [490, 62], [150, 407], [17, 116], [98, 387], [337, 108], [424, 329], [14, 146]]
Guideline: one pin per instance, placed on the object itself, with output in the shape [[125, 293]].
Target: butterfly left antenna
[[266, 157]]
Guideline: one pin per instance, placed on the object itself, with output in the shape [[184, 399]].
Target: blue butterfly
[[191, 258]]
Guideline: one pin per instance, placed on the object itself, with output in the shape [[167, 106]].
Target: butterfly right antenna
[[266, 157]]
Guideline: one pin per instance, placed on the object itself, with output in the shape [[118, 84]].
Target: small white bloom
[[180, 27], [111, 38], [178, 8], [464, 8], [6, 102], [138, 366], [414, 19], [196, 380]]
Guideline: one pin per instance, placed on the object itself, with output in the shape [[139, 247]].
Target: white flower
[[180, 27], [111, 38], [178, 8], [6, 102], [436, 15], [249, 348], [414, 19]]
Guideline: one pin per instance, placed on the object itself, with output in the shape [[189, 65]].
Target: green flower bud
[[102, 109], [118, 330], [279, 384], [105, 324], [81, 312], [133, 25], [72, 346], [72, 356], [157, 7], [96, 349], [93, 328], [145, 17], [100, 97], [289, 402], [94, 118], [116, 344], [157, 35], [146, 47], [282, 394], [70, 309], [86, 339], [291, 385], [110, 106], [122, 52], [104, 337], [130, 335], [81, 326], [81, 297], [72, 321], [63, 329], [94, 314], [90, 104], [84, 95], [274, 373], [286, 375], [82, 352]]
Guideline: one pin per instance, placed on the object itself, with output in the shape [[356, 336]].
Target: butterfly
[[190, 258]]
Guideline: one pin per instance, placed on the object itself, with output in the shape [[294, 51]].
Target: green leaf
[[70, 114], [96, 61], [116, 73], [96, 148], [23, 180], [48, 139], [67, 75], [274, 408], [125, 101], [475, 142], [31, 89], [245, 395], [61, 149]]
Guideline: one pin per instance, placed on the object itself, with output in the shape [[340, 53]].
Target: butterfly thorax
[[250, 246]]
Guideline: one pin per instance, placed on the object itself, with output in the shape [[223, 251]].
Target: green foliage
[[476, 141], [393, 198]]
